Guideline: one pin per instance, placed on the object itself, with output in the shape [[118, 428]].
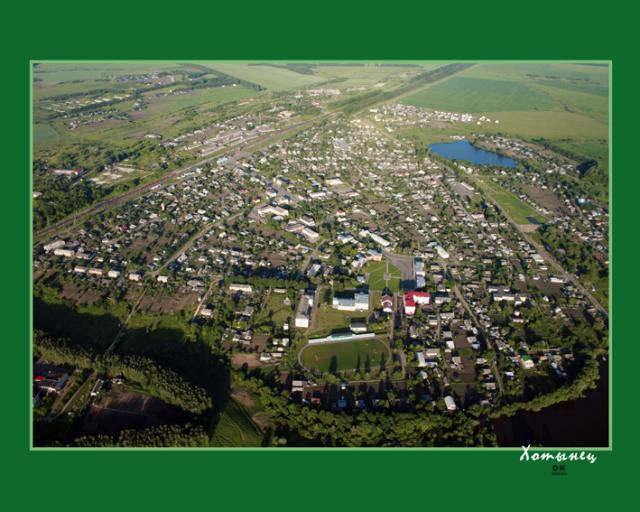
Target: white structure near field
[[351, 301], [240, 287], [303, 313], [342, 337]]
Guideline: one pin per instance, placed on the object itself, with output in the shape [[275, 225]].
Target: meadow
[[470, 94], [329, 319], [235, 428], [361, 355], [516, 208]]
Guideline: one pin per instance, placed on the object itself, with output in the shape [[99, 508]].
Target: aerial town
[[316, 254]]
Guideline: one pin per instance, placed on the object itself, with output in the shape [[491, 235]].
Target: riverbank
[[583, 422]]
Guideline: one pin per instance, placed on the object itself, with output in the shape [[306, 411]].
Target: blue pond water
[[464, 150]]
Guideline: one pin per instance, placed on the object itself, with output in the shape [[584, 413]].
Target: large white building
[[352, 301], [379, 240]]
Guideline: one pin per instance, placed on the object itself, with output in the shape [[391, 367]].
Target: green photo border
[[377, 479]]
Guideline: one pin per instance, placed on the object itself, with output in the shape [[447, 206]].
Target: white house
[[241, 287]]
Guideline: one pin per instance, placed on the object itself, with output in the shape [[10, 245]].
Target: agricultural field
[[548, 100], [361, 355], [377, 270], [270, 77], [518, 210], [368, 75], [53, 78], [45, 134], [470, 94]]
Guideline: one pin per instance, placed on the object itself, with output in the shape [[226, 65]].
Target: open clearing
[[328, 319], [377, 271], [275, 310], [362, 355]]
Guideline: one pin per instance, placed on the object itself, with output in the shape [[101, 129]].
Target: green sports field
[[362, 355]]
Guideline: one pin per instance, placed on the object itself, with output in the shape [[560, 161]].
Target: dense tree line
[[584, 381], [187, 435], [152, 378], [61, 197], [577, 257], [311, 426]]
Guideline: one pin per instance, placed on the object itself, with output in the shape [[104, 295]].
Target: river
[[578, 423]]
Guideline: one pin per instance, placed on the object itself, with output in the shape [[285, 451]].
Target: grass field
[[235, 428], [596, 149], [214, 96], [549, 125], [272, 78], [329, 319], [362, 355], [44, 134], [377, 271], [163, 115], [518, 210], [275, 310]]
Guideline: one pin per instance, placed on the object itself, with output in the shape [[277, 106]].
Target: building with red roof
[[411, 299]]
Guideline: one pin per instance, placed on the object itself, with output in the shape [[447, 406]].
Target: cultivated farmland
[[270, 77]]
